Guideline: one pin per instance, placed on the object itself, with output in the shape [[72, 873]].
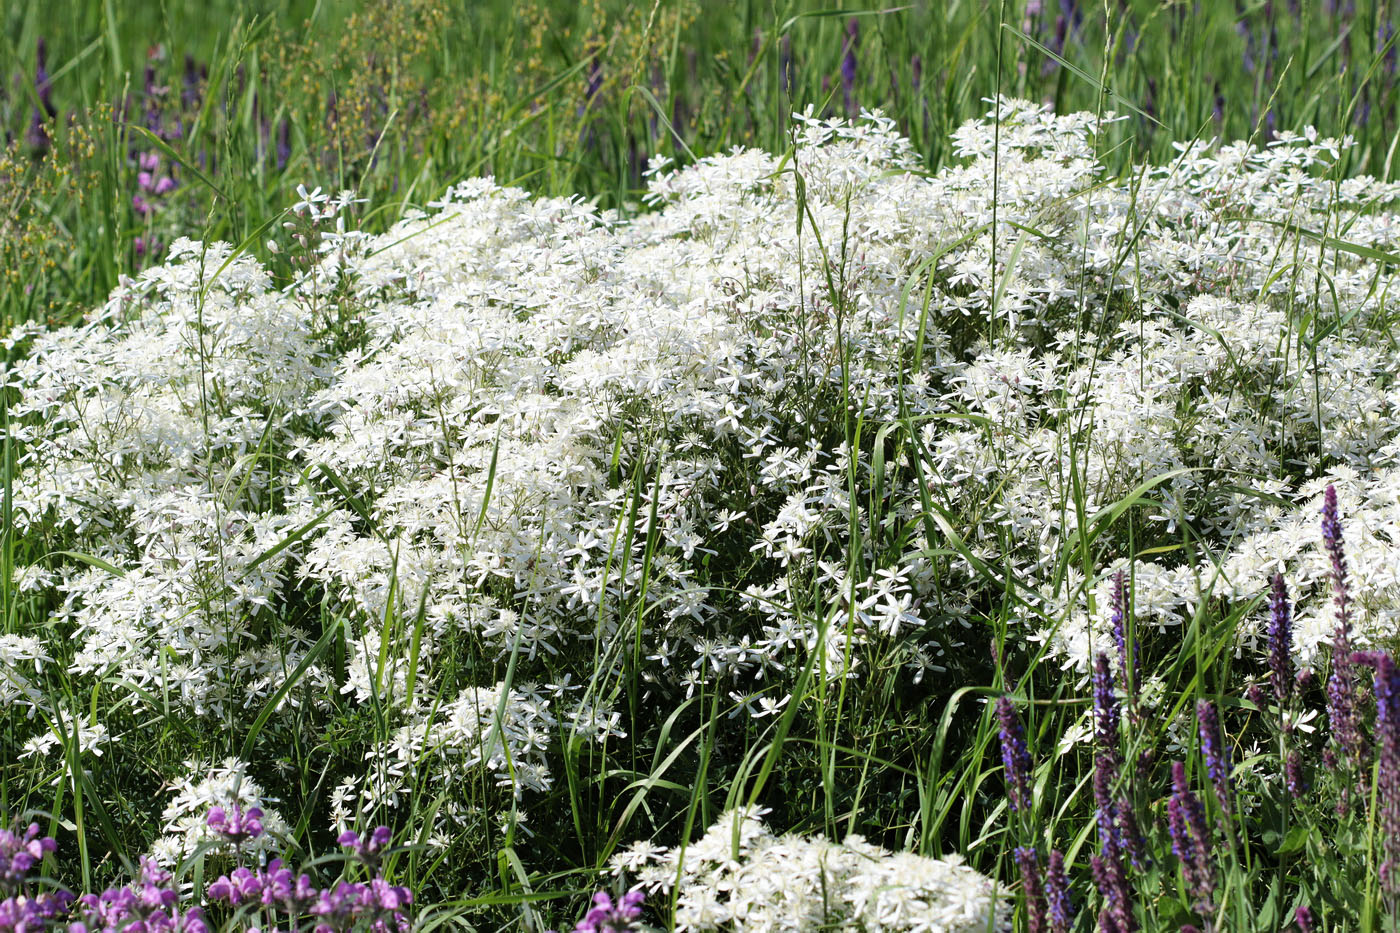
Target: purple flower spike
[[1015, 757], [1387, 686], [1061, 913], [1280, 641], [1106, 714], [1186, 821], [1332, 541], [1293, 775], [1216, 754], [1303, 916], [1028, 861], [1342, 712]]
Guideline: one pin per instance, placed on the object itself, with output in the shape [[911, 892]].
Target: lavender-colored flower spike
[[1106, 713], [1293, 775], [848, 66], [1015, 756], [1028, 861], [1106, 755], [1186, 821], [1216, 754], [1111, 877], [1061, 907], [1130, 835], [1342, 712], [1332, 541], [1303, 916], [1387, 686], [1280, 641]]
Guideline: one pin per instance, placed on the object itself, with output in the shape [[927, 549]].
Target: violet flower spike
[[1028, 861], [1057, 896], [1106, 713], [1342, 703], [1129, 661], [1303, 916], [1280, 641], [1216, 754], [1387, 687], [1186, 822], [1015, 756]]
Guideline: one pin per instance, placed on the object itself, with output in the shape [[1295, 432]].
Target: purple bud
[[1303, 916]]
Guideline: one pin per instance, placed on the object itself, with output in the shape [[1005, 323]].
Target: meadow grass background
[[398, 100]]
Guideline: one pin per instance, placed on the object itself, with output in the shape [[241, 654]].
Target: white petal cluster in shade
[[740, 877]]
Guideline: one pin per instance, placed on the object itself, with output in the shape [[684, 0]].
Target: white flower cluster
[[807, 404], [21, 658], [206, 785], [740, 877]]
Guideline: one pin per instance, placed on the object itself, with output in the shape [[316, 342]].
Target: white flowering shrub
[[740, 877], [517, 473]]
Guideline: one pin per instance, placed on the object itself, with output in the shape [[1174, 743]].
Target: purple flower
[[1186, 822], [1112, 880], [1342, 712], [367, 851], [19, 854], [1304, 918], [1216, 754], [1280, 641], [1106, 755], [1028, 861], [608, 917], [1130, 835], [1293, 775], [1015, 757], [1106, 713], [1057, 896], [1387, 688], [237, 827]]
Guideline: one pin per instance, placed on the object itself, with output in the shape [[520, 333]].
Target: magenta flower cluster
[[608, 916], [22, 910], [278, 899], [151, 905]]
